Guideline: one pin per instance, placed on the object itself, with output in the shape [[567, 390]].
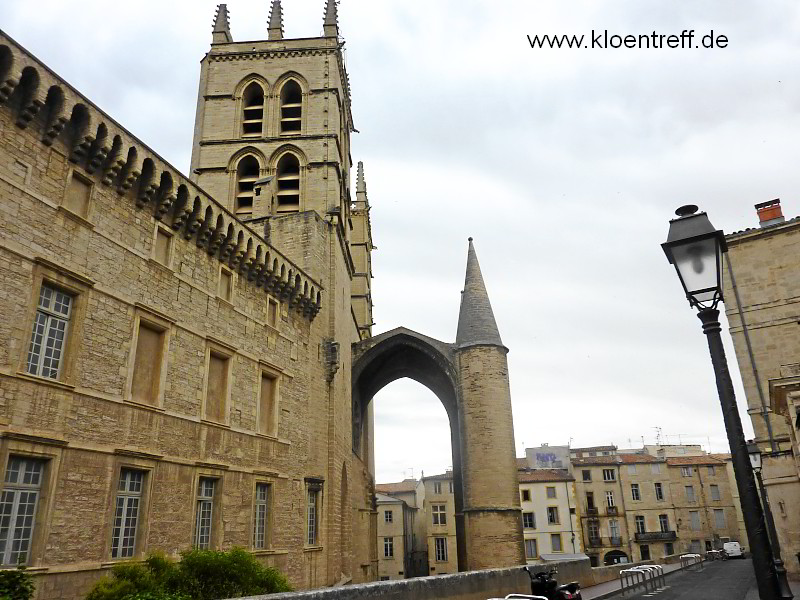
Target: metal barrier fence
[[690, 560], [651, 577]]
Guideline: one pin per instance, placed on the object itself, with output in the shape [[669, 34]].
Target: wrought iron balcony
[[656, 536], [595, 542], [615, 541], [611, 510], [591, 510]]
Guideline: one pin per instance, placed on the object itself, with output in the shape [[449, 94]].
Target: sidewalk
[[752, 593], [609, 588]]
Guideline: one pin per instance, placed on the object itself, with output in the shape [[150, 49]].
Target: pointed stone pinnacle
[[221, 32], [275, 27], [361, 185], [476, 324], [330, 24]]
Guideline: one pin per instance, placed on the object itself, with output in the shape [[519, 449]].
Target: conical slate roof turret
[[275, 28], [476, 324]]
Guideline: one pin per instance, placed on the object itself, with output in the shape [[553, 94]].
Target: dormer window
[[288, 184], [247, 173], [291, 107], [253, 111]]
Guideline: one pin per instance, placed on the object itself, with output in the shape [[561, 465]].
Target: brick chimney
[[770, 213]]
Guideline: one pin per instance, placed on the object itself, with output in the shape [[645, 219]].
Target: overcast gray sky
[[565, 165]]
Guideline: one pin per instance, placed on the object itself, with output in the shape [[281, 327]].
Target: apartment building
[[550, 521], [395, 526], [412, 493], [440, 522]]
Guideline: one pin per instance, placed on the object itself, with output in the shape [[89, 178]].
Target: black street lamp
[[755, 460], [696, 248]]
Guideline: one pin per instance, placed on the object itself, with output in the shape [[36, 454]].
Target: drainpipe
[[569, 516], [764, 415]]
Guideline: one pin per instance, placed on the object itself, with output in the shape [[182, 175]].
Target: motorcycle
[[544, 584]]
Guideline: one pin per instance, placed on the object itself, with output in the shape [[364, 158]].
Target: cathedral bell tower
[[273, 123]]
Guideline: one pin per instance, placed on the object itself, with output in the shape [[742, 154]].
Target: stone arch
[[615, 557], [291, 95], [401, 353]]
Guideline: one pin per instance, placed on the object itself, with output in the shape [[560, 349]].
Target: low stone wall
[[611, 572]]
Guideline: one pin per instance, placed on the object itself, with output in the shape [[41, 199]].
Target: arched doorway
[[615, 557]]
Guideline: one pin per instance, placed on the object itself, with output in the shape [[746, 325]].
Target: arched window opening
[[291, 107], [288, 184], [246, 175], [253, 110]]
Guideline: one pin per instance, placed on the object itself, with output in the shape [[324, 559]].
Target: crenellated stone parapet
[[116, 159]]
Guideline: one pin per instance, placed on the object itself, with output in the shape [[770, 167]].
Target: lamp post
[[755, 460], [695, 248]]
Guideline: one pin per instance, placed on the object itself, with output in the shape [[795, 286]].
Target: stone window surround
[[137, 461], [161, 227], [83, 219], [160, 322], [219, 348], [269, 525], [272, 371], [314, 484], [78, 287], [51, 451], [271, 124], [216, 473], [234, 277]]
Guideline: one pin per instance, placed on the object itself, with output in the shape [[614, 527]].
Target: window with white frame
[[49, 335], [555, 542], [388, 516], [690, 496], [528, 520], [388, 547], [610, 499], [663, 522], [552, 515], [126, 513], [719, 518], [437, 487], [613, 528], [594, 529], [440, 547], [261, 516], [206, 487], [714, 492], [530, 549], [439, 514], [635, 495], [686, 471], [23, 484], [312, 513], [659, 491], [609, 475], [639, 523]]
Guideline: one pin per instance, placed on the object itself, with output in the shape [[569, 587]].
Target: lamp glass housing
[[754, 453]]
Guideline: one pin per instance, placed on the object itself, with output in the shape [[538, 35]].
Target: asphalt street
[[719, 580]]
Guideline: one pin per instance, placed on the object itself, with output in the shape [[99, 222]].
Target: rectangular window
[[388, 516], [530, 549], [695, 546], [126, 513], [610, 499], [225, 290], [437, 487], [631, 469], [639, 523], [613, 528], [694, 520], [261, 517], [49, 332], [161, 248], [609, 475], [272, 312], [146, 381], [594, 530], [663, 523], [715, 492], [267, 406], [551, 492], [528, 520], [439, 514], [23, 483], [711, 470], [555, 542], [440, 544], [552, 515], [526, 495], [655, 468], [659, 491], [587, 474], [669, 549], [590, 500], [313, 509], [79, 192], [690, 497], [388, 547], [217, 387], [719, 518], [645, 550], [205, 507], [686, 471], [635, 492]]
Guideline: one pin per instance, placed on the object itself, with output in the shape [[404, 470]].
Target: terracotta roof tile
[[443, 476], [619, 459], [534, 475], [680, 461], [522, 463], [407, 485]]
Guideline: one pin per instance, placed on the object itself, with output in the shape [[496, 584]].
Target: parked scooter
[[544, 584]]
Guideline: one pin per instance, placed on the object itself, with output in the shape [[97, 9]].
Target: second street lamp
[[695, 248]]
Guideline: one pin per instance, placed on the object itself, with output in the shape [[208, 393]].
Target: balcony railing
[[591, 510], [595, 542], [656, 536], [599, 542], [611, 510], [615, 541]]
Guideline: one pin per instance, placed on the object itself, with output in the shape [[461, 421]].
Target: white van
[[733, 550]]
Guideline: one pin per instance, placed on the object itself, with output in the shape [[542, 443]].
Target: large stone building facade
[[177, 354], [761, 281]]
